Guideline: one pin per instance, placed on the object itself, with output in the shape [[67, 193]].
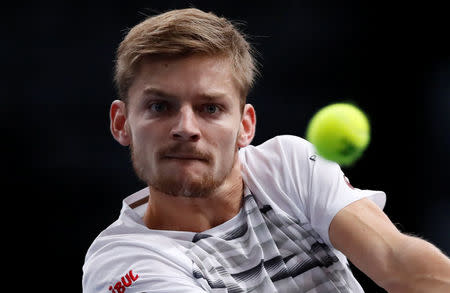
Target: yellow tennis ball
[[340, 132]]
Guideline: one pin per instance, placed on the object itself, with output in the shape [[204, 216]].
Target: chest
[[267, 251]]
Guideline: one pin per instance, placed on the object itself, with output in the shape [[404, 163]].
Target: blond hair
[[185, 32]]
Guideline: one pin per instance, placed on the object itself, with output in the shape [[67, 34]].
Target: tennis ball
[[340, 132]]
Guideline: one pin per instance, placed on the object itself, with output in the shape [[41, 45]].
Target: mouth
[[184, 157]]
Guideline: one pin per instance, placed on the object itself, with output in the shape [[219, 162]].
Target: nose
[[186, 126]]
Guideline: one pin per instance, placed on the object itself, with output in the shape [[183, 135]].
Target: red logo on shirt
[[348, 182], [125, 281]]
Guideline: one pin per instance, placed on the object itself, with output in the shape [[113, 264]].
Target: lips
[[183, 153], [186, 157]]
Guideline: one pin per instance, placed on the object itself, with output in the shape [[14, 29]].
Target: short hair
[[185, 32]]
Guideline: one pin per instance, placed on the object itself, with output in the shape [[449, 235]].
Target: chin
[[185, 185]]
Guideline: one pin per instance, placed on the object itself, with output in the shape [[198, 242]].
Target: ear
[[118, 123], [247, 127]]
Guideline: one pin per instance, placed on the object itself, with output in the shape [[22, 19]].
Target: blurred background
[[65, 176]]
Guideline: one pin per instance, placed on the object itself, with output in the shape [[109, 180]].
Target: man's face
[[183, 118]]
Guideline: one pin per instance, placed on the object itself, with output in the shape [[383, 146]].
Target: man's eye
[[158, 107], [211, 109]]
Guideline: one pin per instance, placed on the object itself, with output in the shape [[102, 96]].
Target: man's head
[[183, 111], [181, 33]]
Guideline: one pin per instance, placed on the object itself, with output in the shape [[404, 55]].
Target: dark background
[[65, 176]]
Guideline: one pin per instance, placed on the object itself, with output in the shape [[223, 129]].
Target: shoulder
[[282, 142], [131, 259], [278, 171], [284, 155], [283, 149]]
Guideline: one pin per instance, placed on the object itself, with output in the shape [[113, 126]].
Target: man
[[220, 215]]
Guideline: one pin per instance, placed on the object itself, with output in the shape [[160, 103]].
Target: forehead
[[186, 75]]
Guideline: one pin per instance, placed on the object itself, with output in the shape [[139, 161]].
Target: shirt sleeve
[[133, 267], [329, 192]]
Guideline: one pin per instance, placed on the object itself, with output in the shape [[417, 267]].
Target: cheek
[[142, 139], [224, 136], [227, 143], [142, 132]]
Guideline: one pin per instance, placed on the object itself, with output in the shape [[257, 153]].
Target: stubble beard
[[187, 187]]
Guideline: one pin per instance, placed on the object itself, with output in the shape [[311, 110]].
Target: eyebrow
[[155, 92], [151, 91]]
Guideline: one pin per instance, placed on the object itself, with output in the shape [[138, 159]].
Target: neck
[[179, 213]]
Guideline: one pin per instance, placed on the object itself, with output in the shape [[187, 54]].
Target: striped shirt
[[278, 242], [267, 251]]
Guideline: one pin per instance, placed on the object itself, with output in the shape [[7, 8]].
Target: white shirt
[[278, 242]]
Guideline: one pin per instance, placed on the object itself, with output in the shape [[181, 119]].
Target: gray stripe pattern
[[268, 251]]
